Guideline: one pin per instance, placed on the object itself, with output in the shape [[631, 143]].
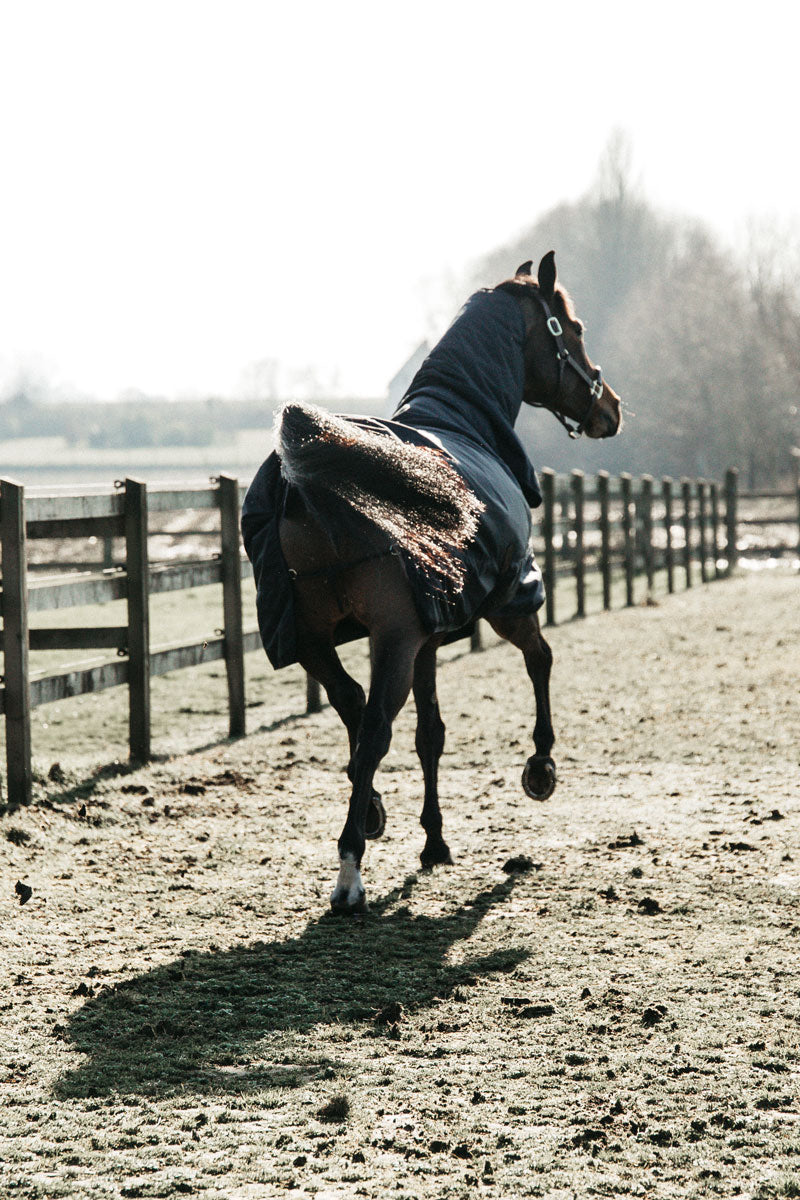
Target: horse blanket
[[463, 400]]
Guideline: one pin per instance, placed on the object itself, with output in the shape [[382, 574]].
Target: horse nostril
[[612, 421]]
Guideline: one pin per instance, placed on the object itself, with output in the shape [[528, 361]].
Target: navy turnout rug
[[464, 400]]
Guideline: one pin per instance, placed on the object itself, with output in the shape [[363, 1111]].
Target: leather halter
[[564, 359]]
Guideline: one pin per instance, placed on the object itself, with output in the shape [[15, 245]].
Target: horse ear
[[547, 275], [525, 269]]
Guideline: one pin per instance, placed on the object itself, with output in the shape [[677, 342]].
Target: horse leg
[[430, 744], [393, 665], [539, 775], [318, 656]]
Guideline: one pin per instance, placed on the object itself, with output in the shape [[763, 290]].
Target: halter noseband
[[564, 358]]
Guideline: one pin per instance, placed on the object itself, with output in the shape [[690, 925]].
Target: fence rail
[[122, 513], [626, 528], [593, 537], [680, 532]]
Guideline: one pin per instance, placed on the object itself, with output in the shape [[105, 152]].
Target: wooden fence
[[598, 540], [763, 513], [664, 533], [122, 513], [622, 529]]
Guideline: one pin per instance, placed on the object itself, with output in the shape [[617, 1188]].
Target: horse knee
[[544, 652], [538, 656], [373, 743]]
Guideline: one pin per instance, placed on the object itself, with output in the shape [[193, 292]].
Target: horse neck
[[480, 359]]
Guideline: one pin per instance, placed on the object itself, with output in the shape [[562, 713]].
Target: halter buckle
[[554, 326]]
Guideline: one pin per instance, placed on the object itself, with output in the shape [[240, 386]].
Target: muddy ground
[[615, 1013]]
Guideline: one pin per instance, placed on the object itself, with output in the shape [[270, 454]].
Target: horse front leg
[[393, 665], [539, 775], [429, 745]]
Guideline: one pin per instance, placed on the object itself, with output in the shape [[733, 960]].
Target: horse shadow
[[203, 1021]]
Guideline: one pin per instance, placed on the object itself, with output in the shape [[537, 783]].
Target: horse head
[[559, 375]]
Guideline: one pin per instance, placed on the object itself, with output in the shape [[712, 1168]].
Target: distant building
[[398, 386]]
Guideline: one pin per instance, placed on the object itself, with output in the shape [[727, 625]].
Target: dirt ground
[[617, 1012]]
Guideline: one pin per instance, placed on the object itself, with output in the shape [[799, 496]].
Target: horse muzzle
[[606, 418]]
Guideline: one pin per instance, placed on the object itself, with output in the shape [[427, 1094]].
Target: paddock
[[600, 997]]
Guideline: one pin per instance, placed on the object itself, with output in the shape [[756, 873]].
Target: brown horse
[[407, 531]]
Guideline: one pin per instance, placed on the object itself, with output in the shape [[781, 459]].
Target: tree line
[[702, 344], [701, 341], [140, 422]]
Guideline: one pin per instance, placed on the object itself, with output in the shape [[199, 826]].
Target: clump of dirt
[[335, 1111], [519, 864]]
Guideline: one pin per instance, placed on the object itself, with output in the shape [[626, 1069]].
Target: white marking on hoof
[[348, 895]]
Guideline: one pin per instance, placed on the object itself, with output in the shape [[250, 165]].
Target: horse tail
[[410, 493]]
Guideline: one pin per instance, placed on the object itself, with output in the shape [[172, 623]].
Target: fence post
[[605, 537], [232, 602], [576, 484], [713, 488], [626, 489], [686, 492], [731, 497], [701, 528], [563, 497], [647, 530], [17, 698], [138, 579], [548, 532], [669, 558]]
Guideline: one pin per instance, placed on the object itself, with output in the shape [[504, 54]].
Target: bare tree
[[679, 327]]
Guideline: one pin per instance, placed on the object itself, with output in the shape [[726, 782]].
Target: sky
[[191, 187]]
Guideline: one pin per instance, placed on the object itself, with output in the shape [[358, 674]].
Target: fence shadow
[[195, 1023]]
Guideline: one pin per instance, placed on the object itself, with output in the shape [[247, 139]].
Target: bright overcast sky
[[189, 186]]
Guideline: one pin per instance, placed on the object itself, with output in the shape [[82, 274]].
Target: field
[[601, 997]]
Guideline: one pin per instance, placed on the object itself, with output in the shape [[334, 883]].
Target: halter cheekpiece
[[564, 358]]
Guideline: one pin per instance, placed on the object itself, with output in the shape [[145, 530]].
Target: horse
[[408, 530]]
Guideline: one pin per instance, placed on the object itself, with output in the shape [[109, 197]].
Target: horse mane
[[569, 307], [521, 287]]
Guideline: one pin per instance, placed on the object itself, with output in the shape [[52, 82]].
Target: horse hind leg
[[318, 656], [539, 775], [393, 663], [429, 745]]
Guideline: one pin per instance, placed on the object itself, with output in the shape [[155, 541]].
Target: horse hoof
[[347, 902], [539, 777], [348, 895], [376, 818], [436, 854]]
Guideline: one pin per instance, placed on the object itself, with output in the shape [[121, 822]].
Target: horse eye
[[580, 328]]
